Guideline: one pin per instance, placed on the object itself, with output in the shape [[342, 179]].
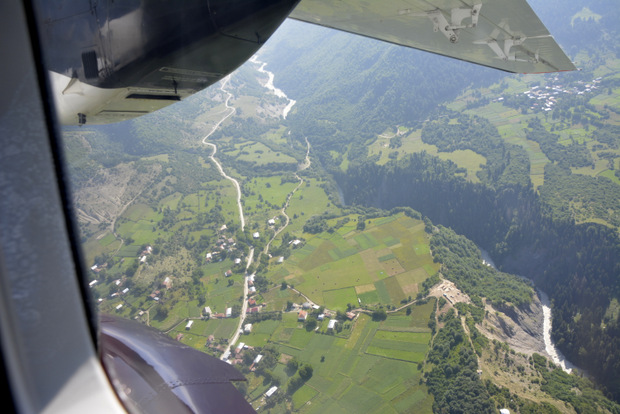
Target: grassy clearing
[[383, 264], [349, 380]]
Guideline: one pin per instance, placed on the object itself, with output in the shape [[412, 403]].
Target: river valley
[[550, 348]]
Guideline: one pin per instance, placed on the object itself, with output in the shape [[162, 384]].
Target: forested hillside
[[351, 88]]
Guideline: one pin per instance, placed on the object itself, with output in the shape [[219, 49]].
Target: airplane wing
[[502, 34]]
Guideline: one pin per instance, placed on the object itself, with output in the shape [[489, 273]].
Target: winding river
[[269, 85], [555, 354]]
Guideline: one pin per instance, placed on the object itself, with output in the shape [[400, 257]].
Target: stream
[[269, 85], [555, 354]]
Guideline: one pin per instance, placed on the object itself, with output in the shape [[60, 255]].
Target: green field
[[383, 264], [371, 369]]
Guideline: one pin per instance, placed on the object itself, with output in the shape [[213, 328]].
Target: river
[[269, 85], [556, 356]]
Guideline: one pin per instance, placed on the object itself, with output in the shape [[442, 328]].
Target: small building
[[228, 312], [226, 356], [210, 340], [143, 259], [247, 328], [179, 337], [320, 317], [252, 289], [239, 347], [209, 256], [271, 391], [117, 282], [254, 309], [251, 302], [125, 291], [332, 324], [94, 267], [93, 283], [296, 242], [257, 359], [189, 325], [237, 260], [119, 306], [350, 315], [167, 282], [271, 222], [207, 310], [228, 273], [302, 316], [251, 278], [281, 259], [306, 305], [256, 235], [223, 227], [504, 411]]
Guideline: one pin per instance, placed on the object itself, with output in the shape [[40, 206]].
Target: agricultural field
[[412, 143], [384, 264], [362, 369]]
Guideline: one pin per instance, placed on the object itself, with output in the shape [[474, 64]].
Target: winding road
[[302, 167], [244, 306]]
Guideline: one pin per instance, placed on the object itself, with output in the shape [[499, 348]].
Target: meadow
[[382, 265], [349, 376]]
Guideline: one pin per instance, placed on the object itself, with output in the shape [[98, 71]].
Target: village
[[545, 98]]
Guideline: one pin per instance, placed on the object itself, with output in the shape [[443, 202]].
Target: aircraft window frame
[[46, 332]]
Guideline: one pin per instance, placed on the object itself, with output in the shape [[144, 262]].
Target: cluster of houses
[[236, 356], [544, 98], [303, 309], [208, 312], [148, 250], [222, 244]]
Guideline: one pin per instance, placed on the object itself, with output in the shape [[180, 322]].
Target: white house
[[119, 306], [256, 235], [93, 283], [281, 259], [240, 347], [125, 290], [208, 310], [332, 324], [271, 391], [252, 289], [247, 328], [143, 259], [320, 317], [228, 312], [189, 325], [257, 359], [237, 260], [271, 222]]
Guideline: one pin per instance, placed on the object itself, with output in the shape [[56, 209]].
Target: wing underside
[[503, 34]]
